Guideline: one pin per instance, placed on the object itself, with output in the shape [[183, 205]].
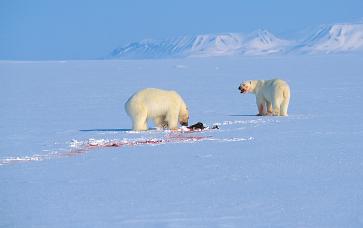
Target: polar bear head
[[183, 115], [248, 86]]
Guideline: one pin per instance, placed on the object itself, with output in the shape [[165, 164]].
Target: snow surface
[[336, 38], [69, 159]]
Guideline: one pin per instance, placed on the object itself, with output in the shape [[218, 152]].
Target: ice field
[[69, 159]]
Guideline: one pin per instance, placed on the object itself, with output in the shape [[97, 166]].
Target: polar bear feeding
[[272, 96], [165, 108]]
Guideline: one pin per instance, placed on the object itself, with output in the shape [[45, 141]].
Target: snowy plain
[[304, 170]]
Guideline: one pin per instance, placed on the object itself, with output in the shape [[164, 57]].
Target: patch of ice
[[180, 66], [11, 160], [75, 143], [231, 139]]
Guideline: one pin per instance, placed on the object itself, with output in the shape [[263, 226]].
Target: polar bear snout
[[240, 89], [183, 123], [243, 88]]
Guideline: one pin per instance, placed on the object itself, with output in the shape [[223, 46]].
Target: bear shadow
[[110, 129], [106, 129], [242, 115]]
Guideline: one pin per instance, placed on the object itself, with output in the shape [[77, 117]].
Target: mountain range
[[327, 39]]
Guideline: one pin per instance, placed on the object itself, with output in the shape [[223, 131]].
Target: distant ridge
[[337, 38]]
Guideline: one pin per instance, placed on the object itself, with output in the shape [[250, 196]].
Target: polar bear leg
[[172, 119], [139, 121], [277, 98], [276, 104], [269, 108], [284, 106], [160, 122], [261, 103]]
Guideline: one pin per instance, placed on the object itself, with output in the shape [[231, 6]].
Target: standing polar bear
[[272, 96], [165, 108]]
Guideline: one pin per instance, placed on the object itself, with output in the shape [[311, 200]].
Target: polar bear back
[[272, 88], [155, 101]]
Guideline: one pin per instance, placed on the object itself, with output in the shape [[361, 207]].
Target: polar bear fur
[[272, 96], [165, 108]]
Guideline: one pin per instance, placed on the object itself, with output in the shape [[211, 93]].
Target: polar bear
[[164, 107], [272, 96]]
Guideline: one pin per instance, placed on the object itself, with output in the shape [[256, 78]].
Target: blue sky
[[83, 29]]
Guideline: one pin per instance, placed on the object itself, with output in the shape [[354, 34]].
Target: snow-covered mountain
[[263, 42], [257, 43], [328, 39], [334, 39]]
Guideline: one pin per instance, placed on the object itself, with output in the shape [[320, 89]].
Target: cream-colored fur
[[164, 107], [272, 96]]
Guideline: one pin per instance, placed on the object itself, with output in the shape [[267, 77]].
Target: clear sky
[[79, 29]]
